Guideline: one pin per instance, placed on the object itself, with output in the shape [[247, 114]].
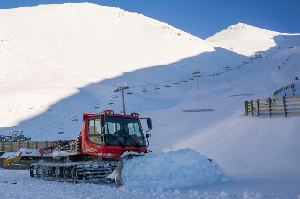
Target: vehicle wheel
[[66, 172], [51, 172], [37, 171], [44, 172], [74, 173], [57, 172], [31, 171]]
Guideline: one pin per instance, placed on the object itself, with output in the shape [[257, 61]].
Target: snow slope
[[244, 39], [71, 61], [72, 45]]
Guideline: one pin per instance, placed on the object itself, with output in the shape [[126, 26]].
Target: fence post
[[251, 107], [269, 100], [284, 106], [246, 108], [257, 107]]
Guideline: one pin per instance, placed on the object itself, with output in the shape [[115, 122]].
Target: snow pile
[[174, 169]]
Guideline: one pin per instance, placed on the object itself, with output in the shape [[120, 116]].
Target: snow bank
[[174, 169]]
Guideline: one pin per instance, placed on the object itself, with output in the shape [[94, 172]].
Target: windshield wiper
[[118, 141], [131, 140]]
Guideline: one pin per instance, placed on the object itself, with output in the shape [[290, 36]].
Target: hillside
[[244, 39], [57, 57], [70, 46], [69, 59]]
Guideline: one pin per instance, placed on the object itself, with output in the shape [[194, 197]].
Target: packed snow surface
[[175, 169], [18, 184]]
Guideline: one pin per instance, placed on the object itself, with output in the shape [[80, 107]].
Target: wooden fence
[[273, 106], [16, 146]]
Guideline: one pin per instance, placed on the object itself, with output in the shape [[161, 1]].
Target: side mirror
[[102, 120], [149, 123]]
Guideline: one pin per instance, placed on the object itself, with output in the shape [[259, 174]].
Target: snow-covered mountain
[[244, 39], [50, 51], [58, 61]]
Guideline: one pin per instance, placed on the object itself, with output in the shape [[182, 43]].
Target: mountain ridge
[[245, 39]]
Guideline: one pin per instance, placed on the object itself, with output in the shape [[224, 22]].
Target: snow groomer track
[[87, 172]]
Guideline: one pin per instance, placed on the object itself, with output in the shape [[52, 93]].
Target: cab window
[[94, 131]]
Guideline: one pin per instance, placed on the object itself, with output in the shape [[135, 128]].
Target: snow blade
[[119, 167], [118, 173]]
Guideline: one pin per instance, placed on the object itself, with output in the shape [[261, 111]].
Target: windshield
[[123, 131], [119, 131]]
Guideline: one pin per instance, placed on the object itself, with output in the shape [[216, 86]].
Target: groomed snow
[[17, 184]]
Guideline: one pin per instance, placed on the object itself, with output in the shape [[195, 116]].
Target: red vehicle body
[[95, 144]]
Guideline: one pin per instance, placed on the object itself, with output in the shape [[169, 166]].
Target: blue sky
[[201, 18]]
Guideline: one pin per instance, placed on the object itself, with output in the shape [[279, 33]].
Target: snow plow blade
[[119, 167], [118, 173]]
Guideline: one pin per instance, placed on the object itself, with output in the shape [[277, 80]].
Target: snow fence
[[175, 169]]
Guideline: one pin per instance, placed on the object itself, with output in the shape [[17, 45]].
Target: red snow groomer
[[94, 155]]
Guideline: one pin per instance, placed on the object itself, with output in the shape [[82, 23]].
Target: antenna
[[196, 73]]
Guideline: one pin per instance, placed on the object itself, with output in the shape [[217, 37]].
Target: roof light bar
[[135, 115], [108, 112]]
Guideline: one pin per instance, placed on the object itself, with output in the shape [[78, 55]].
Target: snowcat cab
[[109, 135]]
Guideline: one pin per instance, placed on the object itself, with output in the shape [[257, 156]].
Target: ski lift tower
[[122, 88], [228, 68], [196, 73], [244, 63]]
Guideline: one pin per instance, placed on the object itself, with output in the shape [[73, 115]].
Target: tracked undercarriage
[[88, 172]]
